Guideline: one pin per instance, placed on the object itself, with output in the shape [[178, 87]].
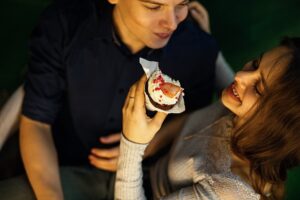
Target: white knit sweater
[[197, 166]]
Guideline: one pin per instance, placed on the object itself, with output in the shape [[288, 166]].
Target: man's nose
[[170, 20]]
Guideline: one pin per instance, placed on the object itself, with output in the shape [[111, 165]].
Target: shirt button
[[121, 91], [111, 120]]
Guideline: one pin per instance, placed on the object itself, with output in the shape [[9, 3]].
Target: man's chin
[[158, 45]]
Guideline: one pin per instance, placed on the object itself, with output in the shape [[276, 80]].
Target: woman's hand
[[137, 126], [200, 15]]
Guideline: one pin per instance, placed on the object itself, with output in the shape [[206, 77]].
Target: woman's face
[[251, 82]]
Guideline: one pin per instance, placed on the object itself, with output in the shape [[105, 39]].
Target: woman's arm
[[165, 135], [129, 179], [138, 131]]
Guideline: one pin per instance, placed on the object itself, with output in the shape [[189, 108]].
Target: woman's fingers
[[139, 103], [158, 119], [130, 98]]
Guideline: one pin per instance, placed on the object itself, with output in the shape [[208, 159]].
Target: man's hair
[[270, 139]]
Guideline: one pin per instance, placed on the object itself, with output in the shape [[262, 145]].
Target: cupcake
[[162, 92]]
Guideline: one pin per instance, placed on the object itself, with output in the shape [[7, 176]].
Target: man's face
[[148, 23]]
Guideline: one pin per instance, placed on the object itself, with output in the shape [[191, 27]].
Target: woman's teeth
[[235, 92]]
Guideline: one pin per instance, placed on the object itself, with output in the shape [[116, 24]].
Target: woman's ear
[[113, 1]]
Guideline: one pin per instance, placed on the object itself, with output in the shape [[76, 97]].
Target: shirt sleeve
[[224, 73], [129, 178], [45, 80]]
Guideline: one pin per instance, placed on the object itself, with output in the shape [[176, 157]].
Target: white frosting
[[156, 93]]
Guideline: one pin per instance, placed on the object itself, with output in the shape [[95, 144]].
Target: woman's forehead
[[274, 62]]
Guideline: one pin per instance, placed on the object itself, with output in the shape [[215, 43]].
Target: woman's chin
[[225, 101]]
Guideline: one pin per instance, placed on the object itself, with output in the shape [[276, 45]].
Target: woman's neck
[[241, 167]]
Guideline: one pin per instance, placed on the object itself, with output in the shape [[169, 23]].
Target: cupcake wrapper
[[149, 67]]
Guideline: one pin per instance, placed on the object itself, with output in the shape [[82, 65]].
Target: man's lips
[[231, 90], [163, 35]]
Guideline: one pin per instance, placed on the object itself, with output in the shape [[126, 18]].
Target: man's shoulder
[[189, 39], [189, 33], [75, 9]]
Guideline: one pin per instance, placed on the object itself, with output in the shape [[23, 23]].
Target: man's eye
[[153, 7], [184, 4]]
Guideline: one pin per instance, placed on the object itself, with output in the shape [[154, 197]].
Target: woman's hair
[[270, 139]]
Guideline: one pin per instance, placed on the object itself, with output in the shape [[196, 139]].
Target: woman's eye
[[254, 64], [257, 90]]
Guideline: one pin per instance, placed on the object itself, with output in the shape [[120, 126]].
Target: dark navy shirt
[[80, 72]]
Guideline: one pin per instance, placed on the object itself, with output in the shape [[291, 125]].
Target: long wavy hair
[[270, 139]]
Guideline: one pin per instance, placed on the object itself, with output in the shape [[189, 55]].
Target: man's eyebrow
[[150, 1], [159, 3]]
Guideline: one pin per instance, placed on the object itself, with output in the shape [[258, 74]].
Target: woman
[[241, 155]]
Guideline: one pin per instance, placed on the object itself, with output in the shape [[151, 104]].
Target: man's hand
[[200, 15], [106, 159]]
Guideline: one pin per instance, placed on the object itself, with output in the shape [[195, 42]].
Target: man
[[83, 59]]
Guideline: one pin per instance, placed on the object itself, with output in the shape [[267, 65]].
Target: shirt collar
[[105, 21]]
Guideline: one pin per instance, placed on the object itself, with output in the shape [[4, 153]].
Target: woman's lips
[[231, 91], [163, 36]]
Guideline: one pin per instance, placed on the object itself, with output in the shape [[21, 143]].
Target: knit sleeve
[[129, 178]]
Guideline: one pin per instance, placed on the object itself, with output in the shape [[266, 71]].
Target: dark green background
[[244, 29]]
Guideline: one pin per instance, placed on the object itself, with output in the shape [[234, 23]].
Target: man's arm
[[10, 115], [224, 73], [40, 159]]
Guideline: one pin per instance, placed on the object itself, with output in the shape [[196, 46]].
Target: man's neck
[[126, 36]]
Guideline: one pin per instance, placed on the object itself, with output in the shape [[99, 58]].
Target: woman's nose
[[243, 78]]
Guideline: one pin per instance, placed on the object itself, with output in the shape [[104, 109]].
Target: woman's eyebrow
[[260, 58], [263, 79]]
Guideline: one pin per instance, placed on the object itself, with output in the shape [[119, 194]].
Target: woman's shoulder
[[204, 117], [226, 186]]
